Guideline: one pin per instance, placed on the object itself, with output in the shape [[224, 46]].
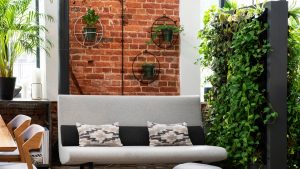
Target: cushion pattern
[[129, 135], [99, 135], [168, 134]]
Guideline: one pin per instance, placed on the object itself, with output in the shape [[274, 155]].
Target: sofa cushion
[[99, 135], [168, 134], [129, 135], [141, 154]]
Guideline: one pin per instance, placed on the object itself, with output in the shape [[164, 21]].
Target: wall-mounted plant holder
[[164, 32], [146, 67], [88, 36]]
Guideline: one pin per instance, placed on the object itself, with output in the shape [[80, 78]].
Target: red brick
[[98, 68]]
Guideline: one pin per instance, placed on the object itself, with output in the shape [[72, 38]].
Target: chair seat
[[14, 166], [195, 166]]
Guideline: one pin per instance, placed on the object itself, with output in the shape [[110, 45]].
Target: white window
[[24, 68]]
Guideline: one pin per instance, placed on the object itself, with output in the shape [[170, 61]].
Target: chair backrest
[[30, 139], [18, 124]]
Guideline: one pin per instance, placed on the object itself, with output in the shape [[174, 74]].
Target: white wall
[[50, 65], [191, 15]]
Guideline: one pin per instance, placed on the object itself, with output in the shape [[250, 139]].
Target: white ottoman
[[195, 166]]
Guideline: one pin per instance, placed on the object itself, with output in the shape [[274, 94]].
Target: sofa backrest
[[129, 110], [132, 113]]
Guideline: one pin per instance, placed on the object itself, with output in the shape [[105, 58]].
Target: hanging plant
[[90, 18], [148, 70], [166, 31], [232, 45]]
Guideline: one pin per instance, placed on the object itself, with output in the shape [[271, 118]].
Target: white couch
[[132, 111]]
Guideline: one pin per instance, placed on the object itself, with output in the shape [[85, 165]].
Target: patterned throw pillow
[[99, 135], [168, 134]]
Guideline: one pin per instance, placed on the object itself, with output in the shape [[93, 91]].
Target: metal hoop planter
[[158, 41], [80, 36], [157, 72]]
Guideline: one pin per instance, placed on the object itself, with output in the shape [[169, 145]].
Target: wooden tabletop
[[7, 142]]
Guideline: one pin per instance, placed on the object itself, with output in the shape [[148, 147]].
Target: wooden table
[[7, 142]]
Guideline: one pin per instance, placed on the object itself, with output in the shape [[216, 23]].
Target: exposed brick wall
[[98, 69]]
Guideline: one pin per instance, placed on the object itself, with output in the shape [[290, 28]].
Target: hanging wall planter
[[90, 34], [90, 31], [148, 70], [145, 67], [164, 32], [167, 35]]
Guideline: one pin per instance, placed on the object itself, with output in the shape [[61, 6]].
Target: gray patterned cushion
[[99, 135], [168, 134]]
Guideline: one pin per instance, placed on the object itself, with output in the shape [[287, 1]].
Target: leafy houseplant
[[148, 71], [18, 35], [166, 31], [90, 18], [233, 48]]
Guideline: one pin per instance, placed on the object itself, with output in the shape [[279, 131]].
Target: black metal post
[[64, 47], [222, 3], [123, 24], [277, 83]]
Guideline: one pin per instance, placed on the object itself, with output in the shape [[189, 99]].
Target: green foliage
[[18, 33], [148, 64], [158, 29], [294, 89], [90, 18], [230, 6], [232, 45], [175, 29]]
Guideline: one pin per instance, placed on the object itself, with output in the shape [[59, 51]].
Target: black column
[[277, 83], [63, 47]]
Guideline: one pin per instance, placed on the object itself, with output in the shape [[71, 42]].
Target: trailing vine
[[233, 47], [294, 90]]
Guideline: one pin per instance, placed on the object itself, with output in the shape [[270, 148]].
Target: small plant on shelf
[[148, 71], [166, 31], [90, 18]]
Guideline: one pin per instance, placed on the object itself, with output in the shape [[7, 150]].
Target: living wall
[[294, 89], [233, 45]]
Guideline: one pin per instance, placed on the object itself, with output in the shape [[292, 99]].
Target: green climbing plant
[[294, 89], [233, 47]]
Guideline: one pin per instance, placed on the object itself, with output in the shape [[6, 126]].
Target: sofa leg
[[91, 165]]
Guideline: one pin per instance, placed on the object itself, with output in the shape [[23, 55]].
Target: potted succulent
[[90, 18], [18, 37], [166, 31], [148, 71]]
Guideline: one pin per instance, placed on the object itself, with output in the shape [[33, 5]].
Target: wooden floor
[[120, 167]]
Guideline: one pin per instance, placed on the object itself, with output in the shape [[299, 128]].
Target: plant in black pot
[[18, 37], [148, 71], [90, 31], [166, 31]]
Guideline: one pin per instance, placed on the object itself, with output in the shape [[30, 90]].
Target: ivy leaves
[[294, 90], [231, 45]]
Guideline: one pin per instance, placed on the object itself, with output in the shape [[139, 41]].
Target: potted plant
[[90, 31], [18, 37], [148, 71], [166, 31]]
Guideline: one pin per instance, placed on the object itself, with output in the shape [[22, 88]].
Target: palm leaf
[[19, 33]]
